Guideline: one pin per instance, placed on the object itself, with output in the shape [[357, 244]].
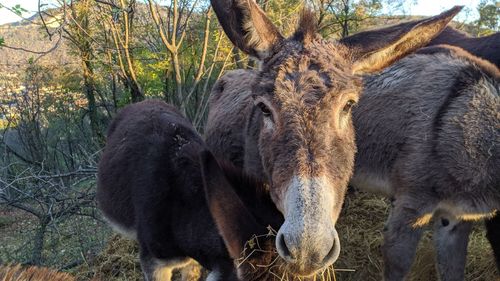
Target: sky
[[414, 7]]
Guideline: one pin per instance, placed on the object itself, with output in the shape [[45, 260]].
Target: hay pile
[[120, 262], [360, 229]]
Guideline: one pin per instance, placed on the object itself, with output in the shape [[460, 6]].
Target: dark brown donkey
[[289, 123], [485, 47], [150, 187]]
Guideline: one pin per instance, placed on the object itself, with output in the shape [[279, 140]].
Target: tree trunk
[[135, 90], [237, 58], [88, 81], [39, 242], [113, 92]]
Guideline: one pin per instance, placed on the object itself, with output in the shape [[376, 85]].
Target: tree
[[489, 16]]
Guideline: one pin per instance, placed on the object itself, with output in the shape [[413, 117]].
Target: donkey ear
[[376, 49], [247, 26], [234, 221]]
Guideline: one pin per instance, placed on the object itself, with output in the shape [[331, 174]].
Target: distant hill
[[29, 35]]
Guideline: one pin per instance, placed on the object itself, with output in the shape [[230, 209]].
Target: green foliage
[[489, 15], [18, 10], [2, 41]]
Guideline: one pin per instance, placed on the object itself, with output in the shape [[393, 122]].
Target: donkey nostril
[[334, 252], [284, 248], [330, 254]]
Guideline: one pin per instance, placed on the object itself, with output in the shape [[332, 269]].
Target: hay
[[119, 261], [261, 257], [360, 228]]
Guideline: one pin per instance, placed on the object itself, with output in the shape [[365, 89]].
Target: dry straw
[[360, 229], [260, 245]]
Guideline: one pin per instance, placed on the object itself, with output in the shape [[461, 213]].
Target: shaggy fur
[[150, 183], [486, 48], [432, 144], [289, 123], [32, 273]]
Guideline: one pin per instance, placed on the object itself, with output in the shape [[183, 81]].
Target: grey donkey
[[428, 136], [289, 123]]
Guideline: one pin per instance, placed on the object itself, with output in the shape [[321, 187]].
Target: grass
[[360, 228], [6, 222]]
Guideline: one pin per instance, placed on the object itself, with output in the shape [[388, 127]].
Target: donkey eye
[[348, 106], [265, 110]]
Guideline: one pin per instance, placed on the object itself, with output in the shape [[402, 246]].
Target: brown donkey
[[289, 123], [32, 273], [150, 187]]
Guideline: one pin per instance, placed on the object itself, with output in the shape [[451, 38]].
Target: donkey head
[[303, 98], [243, 215]]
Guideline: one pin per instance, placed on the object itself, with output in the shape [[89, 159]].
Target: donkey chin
[[308, 241]]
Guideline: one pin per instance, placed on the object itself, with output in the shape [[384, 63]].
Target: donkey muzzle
[[308, 240]]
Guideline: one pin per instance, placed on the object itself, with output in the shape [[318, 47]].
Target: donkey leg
[[493, 235], [451, 237], [223, 272], [400, 241], [160, 269], [149, 266]]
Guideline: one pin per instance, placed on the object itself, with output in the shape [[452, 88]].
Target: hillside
[[29, 35]]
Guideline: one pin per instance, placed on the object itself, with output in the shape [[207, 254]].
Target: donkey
[[488, 48], [428, 136], [151, 188], [33, 273], [485, 47], [289, 123]]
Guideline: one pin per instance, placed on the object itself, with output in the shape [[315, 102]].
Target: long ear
[[376, 49], [235, 222], [247, 26]]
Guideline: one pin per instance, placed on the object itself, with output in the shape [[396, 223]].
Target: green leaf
[[2, 41], [19, 10]]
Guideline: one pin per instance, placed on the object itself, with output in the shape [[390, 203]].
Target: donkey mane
[[486, 66]]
